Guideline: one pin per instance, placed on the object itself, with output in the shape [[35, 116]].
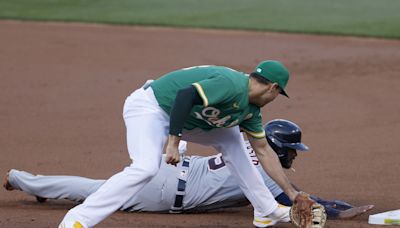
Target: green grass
[[375, 18]]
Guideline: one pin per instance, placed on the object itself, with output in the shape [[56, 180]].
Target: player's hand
[[355, 211], [172, 152], [172, 156]]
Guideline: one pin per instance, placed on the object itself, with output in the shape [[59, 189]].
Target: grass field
[[376, 18]]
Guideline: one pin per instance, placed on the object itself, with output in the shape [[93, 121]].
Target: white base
[[385, 218]]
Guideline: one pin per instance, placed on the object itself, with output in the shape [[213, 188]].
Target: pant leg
[[147, 126], [159, 193], [54, 187], [230, 143]]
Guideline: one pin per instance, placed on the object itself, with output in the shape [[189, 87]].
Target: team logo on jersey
[[236, 105], [210, 116], [248, 116]]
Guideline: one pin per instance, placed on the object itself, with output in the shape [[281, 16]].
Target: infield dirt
[[62, 89]]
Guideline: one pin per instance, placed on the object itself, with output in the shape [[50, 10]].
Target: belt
[[180, 192]]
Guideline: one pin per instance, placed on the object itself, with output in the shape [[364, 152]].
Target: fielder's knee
[[142, 171]]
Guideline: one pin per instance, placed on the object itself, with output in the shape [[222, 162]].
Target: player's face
[[269, 93]]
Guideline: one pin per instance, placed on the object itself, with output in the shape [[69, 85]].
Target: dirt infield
[[63, 86]]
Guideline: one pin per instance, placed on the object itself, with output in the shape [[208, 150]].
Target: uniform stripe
[[258, 135], [201, 93], [266, 222]]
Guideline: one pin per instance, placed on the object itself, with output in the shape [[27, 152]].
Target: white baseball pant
[[147, 130]]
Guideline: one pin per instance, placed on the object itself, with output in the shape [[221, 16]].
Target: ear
[[274, 86]]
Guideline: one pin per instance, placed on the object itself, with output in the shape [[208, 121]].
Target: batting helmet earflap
[[283, 134]]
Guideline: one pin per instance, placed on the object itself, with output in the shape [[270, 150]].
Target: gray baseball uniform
[[209, 186]]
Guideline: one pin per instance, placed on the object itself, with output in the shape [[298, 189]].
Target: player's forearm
[[295, 187], [271, 165], [173, 141]]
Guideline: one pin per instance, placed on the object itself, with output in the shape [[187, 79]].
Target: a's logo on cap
[[259, 70]]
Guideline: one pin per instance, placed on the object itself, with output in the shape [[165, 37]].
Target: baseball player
[[218, 189], [206, 105]]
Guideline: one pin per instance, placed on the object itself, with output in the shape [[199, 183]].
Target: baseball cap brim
[[283, 92], [297, 146]]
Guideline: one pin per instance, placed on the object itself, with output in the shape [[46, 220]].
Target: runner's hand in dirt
[[355, 211], [337, 209]]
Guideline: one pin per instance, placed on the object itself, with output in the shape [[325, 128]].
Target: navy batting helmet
[[283, 135]]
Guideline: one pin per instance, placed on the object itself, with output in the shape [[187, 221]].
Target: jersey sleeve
[[253, 125], [215, 90]]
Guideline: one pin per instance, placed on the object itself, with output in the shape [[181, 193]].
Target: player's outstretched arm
[[337, 209], [53, 187], [270, 163], [353, 212]]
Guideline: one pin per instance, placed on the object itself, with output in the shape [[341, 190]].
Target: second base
[[385, 218]]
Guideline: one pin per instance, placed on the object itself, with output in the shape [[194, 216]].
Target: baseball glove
[[306, 213]]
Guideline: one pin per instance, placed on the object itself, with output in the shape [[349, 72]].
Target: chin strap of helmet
[[280, 150]]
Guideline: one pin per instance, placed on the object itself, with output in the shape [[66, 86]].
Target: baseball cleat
[[280, 214], [6, 183], [71, 224], [75, 225]]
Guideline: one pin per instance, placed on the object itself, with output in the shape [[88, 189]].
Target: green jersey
[[224, 92]]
